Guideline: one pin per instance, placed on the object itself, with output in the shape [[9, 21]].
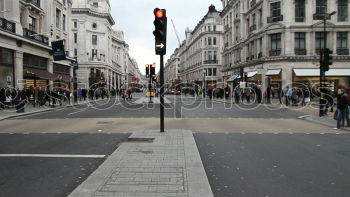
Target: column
[[115, 80], [18, 66], [50, 70], [287, 75]]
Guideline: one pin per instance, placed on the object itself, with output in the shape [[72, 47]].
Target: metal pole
[[150, 88], [161, 78], [322, 72]]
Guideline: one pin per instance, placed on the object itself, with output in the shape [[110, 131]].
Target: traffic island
[[167, 165]]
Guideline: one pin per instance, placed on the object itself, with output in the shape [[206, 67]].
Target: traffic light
[[147, 70], [328, 59], [152, 69], [160, 32]]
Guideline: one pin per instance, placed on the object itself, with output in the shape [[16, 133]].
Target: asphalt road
[[271, 165], [50, 177], [179, 108]]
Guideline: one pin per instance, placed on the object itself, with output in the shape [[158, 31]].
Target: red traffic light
[[159, 13]]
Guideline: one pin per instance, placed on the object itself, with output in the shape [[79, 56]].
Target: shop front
[[62, 78], [7, 77], [311, 78], [35, 72], [274, 81]]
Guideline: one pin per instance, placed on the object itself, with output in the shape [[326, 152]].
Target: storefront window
[[6, 68], [33, 61]]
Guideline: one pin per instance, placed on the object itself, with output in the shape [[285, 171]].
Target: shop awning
[[43, 74], [316, 72], [233, 77], [273, 72], [252, 74]]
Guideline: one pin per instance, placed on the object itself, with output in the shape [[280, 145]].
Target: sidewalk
[[311, 111], [29, 109], [151, 164]]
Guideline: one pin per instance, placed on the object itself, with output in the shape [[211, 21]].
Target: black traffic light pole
[[161, 80], [323, 65]]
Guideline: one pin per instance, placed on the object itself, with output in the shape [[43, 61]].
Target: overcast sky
[[135, 18]]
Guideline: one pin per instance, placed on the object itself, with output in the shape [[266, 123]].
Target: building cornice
[[88, 11]]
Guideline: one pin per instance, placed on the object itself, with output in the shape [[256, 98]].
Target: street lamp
[[322, 55]]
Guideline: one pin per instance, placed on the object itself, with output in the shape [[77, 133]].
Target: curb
[[37, 112], [312, 119]]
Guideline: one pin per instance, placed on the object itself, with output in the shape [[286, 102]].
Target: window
[[75, 24], [300, 40], [321, 7], [94, 53], [94, 25], [342, 10], [214, 71], [32, 22], [275, 44], [94, 39], [210, 57], [215, 55], [75, 38], [75, 52], [58, 18], [320, 41], [214, 41], [209, 28], [342, 40], [210, 73], [300, 43], [253, 19], [214, 28], [342, 43], [64, 22], [209, 41], [299, 10], [276, 9], [64, 2], [95, 4]]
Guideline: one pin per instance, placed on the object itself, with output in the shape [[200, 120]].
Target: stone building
[[27, 28], [200, 53], [277, 42]]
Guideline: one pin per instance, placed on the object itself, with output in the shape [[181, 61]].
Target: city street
[[246, 151]]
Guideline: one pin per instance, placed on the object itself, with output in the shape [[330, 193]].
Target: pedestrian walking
[[342, 107]]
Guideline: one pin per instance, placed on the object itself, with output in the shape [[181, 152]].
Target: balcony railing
[[342, 51], [252, 28], [321, 16], [36, 37], [7, 25], [318, 51], [299, 19], [276, 52], [34, 2], [273, 19], [211, 61], [260, 55], [300, 51]]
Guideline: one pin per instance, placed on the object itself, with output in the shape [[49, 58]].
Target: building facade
[[278, 42], [171, 69], [102, 52], [27, 28], [200, 54]]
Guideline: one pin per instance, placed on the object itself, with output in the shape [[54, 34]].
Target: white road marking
[[76, 112], [52, 155]]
